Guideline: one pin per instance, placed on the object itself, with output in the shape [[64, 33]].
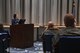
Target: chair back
[[69, 44], [47, 42]]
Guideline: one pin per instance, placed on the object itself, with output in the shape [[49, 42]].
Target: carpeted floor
[[37, 48]]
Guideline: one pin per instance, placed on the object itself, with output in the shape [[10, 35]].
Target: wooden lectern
[[22, 35]]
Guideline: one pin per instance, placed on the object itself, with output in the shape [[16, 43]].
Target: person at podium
[[15, 20], [70, 26]]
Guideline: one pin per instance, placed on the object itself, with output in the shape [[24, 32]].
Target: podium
[[22, 35]]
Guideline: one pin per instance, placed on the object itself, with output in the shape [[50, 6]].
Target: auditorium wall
[[38, 12]]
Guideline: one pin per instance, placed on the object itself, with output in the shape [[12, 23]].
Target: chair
[[69, 44], [47, 42], [22, 35], [4, 41]]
